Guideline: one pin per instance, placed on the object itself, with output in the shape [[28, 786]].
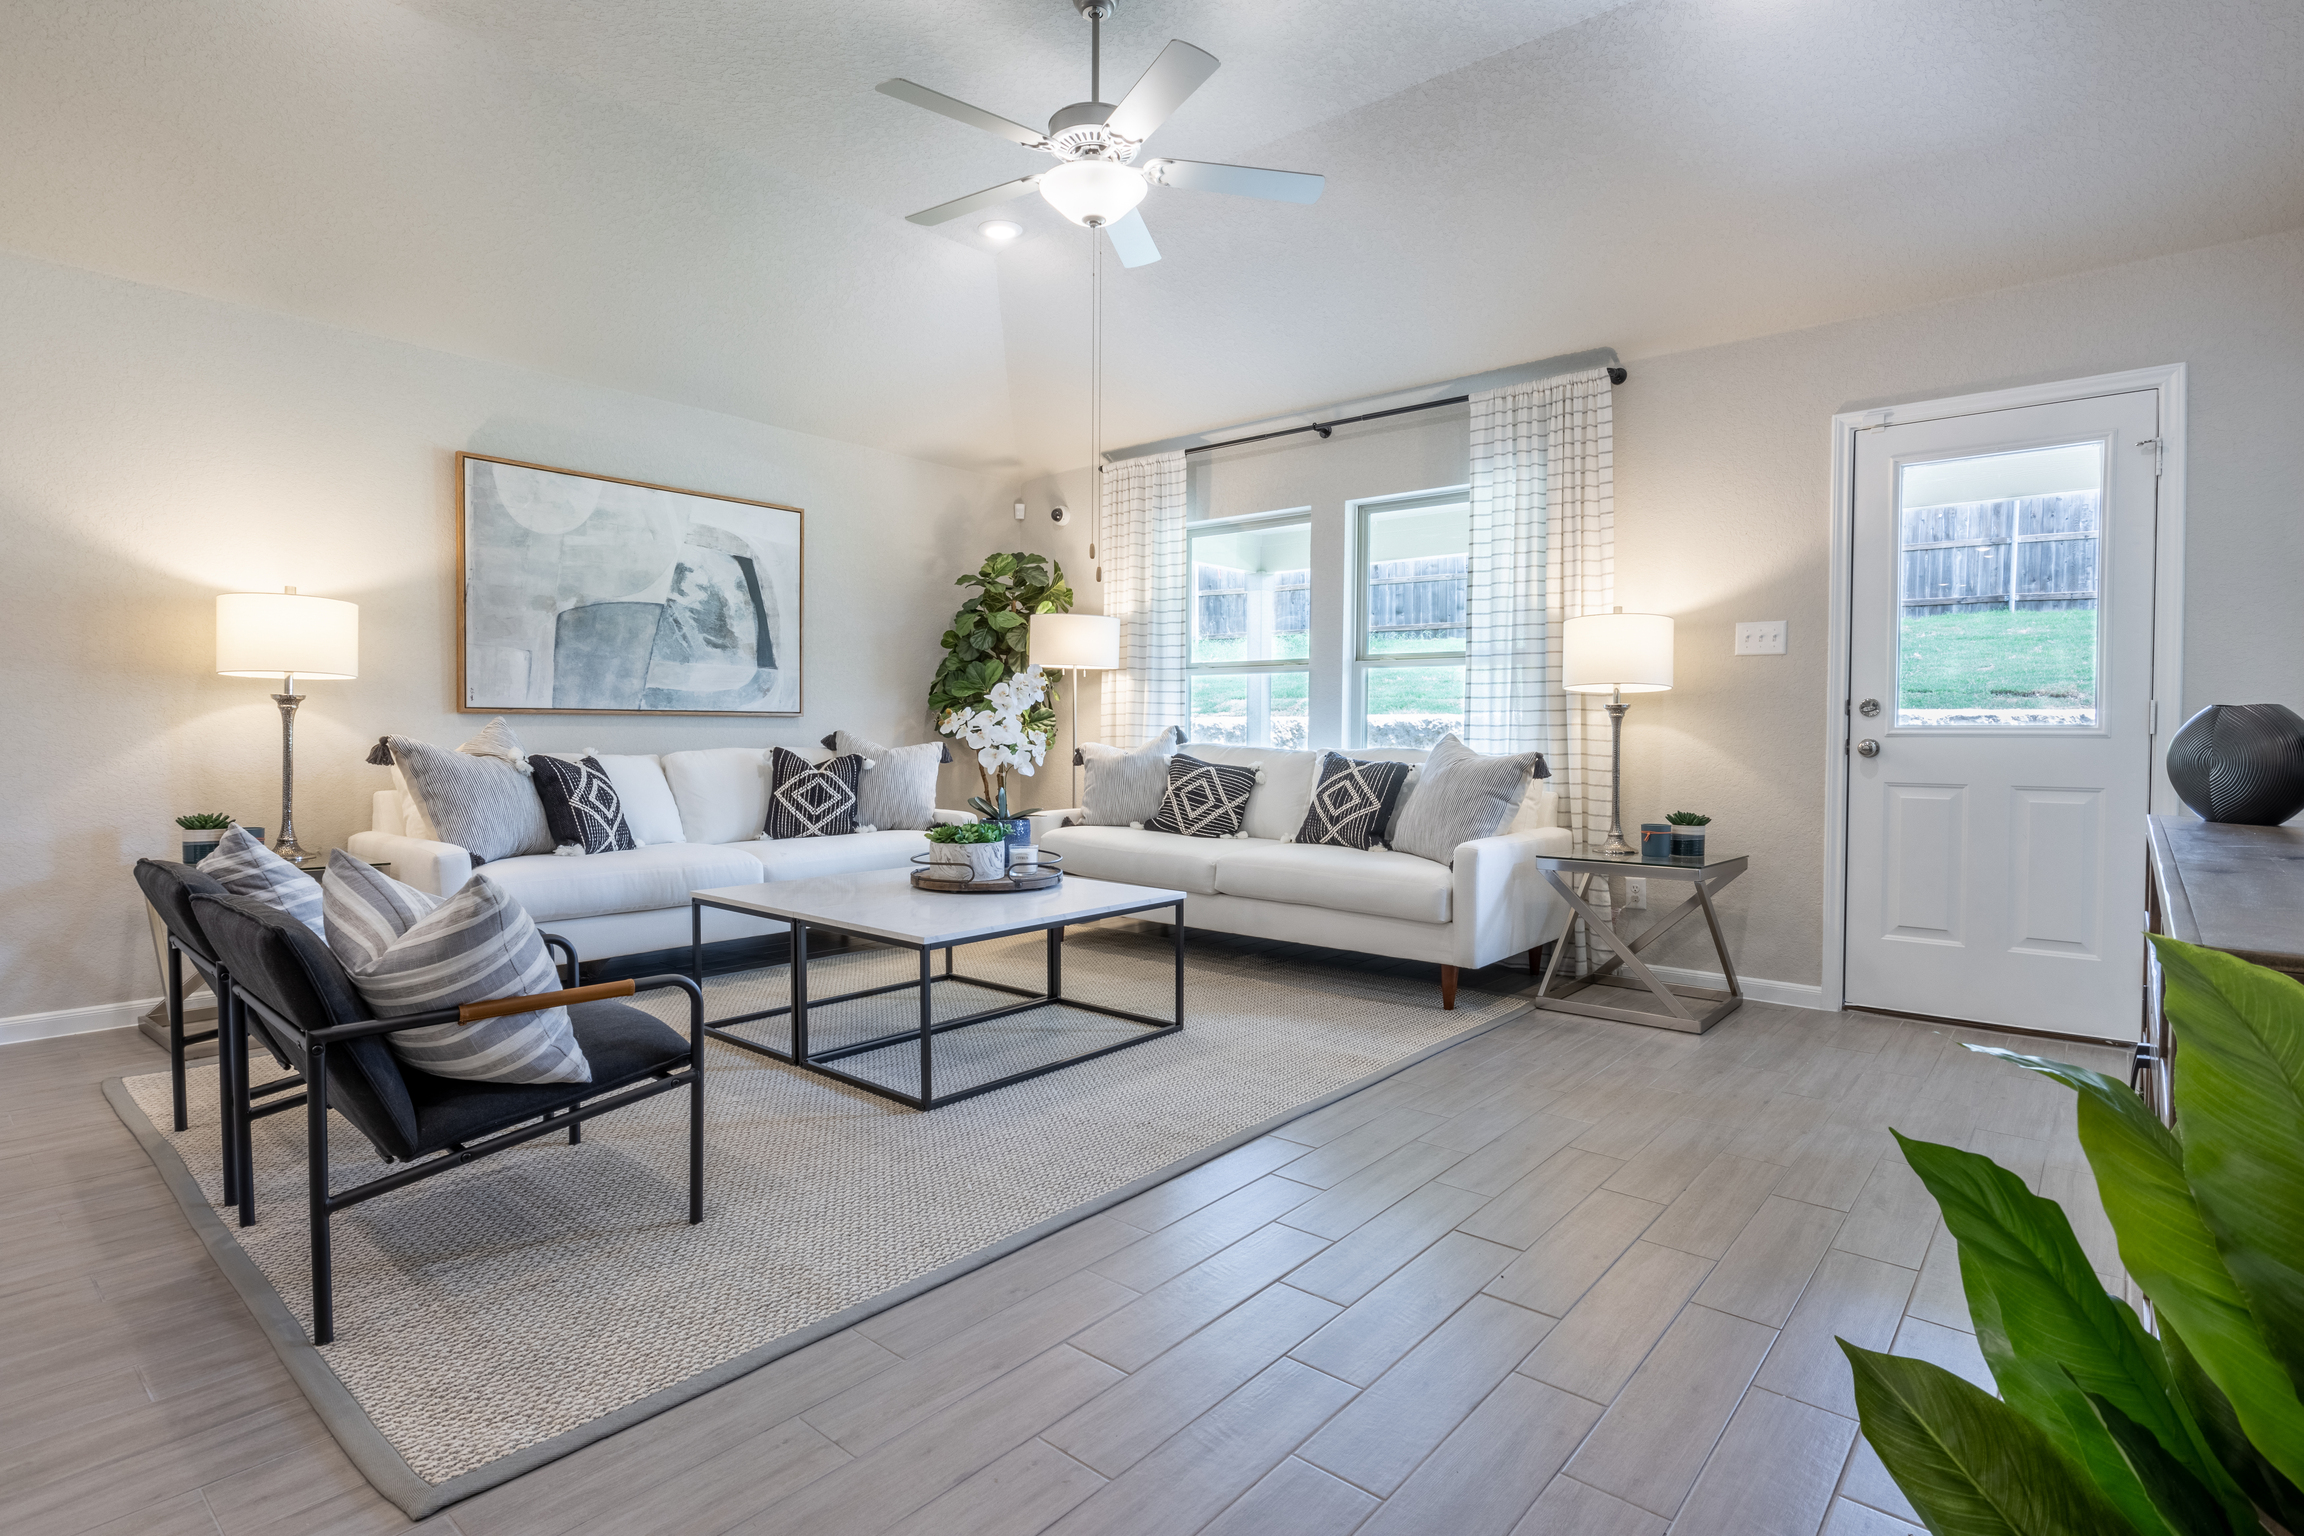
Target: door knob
[[1867, 748]]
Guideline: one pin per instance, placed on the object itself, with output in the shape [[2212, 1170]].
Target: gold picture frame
[[587, 594]]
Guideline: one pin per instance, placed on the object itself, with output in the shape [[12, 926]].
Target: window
[[1251, 634], [1414, 562], [1997, 622]]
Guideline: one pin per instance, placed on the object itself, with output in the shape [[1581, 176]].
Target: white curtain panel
[[1142, 517], [1543, 551]]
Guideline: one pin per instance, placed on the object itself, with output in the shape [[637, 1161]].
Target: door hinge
[[2159, 447], [2153, 729]]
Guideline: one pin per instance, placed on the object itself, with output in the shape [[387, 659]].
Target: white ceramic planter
[[975, 861]]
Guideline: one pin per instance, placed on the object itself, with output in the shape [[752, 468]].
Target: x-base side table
[[1572, 875]]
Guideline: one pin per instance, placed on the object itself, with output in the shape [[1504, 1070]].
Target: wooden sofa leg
[[1448, 986]]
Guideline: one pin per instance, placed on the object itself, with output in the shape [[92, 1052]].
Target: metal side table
[[1572, 874]]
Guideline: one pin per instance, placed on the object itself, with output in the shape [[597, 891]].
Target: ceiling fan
[[1097, 184]]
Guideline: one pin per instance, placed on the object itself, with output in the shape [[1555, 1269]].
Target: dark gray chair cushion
[[284, 965], [170, 887], [623, 1043]]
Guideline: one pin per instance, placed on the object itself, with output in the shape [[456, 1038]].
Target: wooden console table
[[2237, 889]]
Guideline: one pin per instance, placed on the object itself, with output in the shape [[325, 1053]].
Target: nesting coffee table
[[884, 906]]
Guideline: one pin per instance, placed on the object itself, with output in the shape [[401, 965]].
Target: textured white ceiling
[[703, 199]]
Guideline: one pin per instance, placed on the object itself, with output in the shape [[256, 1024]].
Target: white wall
[[159, 449], [1722, 503]]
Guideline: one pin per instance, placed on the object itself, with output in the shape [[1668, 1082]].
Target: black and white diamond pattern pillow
[[1352, 801], [580, 805], [819, 800], [1204, 799]]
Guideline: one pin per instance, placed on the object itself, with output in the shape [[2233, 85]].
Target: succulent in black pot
[[2240, 763]]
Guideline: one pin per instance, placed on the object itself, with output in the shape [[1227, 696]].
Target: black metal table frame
[[930, 1027], [1706, 882]]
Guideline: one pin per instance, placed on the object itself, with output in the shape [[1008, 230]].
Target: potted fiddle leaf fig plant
[[986, 693], [2102, 1427]]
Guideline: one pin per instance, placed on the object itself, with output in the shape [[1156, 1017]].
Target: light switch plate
[[1764, 637]]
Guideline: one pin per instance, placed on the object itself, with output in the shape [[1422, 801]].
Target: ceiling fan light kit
[[1095, 142]]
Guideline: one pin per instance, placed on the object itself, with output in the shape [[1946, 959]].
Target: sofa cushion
[[1276, 808], [722, 793], [1371, 881], [640, 880], [1138, 857], [623, 1044], [802, 858]]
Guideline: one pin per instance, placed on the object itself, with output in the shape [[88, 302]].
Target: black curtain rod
[[1615, 376]]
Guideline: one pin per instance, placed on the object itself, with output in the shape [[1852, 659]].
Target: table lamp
[[1075, 643], [1616, 654], [287, 635]]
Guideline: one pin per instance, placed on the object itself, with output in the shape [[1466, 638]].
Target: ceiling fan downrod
[[1095, 11]]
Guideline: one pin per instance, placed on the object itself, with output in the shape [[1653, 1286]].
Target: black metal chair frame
[[324, 1202], [241, 1111]]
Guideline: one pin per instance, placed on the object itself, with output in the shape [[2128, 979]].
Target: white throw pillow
[[898, 791], [408, 952], [1120, 788]]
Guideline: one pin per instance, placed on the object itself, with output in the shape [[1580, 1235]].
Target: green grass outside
[[1994, 659]]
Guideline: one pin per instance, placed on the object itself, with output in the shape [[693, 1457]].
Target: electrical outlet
[[1763, 638], [1636, 895]]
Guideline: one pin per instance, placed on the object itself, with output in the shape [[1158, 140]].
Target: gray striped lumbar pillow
[[408, 951], [1461, 797], [245, 867]]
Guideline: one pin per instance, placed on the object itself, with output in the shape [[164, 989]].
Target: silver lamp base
[[1616, 844], [285, 844]]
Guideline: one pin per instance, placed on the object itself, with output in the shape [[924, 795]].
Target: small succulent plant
[[1688, 819], [204, 821], [969, 832]]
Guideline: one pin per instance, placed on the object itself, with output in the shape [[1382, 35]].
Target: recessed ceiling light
[[999, 231]]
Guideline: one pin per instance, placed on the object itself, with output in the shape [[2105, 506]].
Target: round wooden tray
[[1051, 871]]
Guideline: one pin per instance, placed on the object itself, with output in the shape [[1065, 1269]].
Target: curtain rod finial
[[1617, 375]]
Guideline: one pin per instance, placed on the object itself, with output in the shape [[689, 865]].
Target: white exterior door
[[1999, 726]]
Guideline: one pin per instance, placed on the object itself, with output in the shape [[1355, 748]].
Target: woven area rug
[[504, 1314]]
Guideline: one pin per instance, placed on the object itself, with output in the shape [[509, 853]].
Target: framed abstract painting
[[585, 594]]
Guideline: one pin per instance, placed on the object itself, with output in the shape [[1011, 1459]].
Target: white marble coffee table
[[883, 905]]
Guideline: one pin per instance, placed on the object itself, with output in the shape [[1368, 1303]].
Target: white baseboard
[[1760, 990], [73, 1021]]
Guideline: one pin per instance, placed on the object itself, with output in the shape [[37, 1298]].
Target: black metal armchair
[[286, 984], [170, 888]]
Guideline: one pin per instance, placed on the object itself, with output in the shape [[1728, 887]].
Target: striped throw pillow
[[245, 867], [408, 951], [1461, 797]]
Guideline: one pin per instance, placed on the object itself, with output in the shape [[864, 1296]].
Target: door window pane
[[1412, 706], [1998, 566], [1251, 590]]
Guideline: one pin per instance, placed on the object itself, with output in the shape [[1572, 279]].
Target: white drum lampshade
[[1617, 653], [287, 635], [284, 634], [1076, 642]]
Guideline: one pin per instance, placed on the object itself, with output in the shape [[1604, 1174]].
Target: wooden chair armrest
[[473, 1013]]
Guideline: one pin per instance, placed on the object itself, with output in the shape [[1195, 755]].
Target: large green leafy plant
[[2102, 1428], [990, 642]]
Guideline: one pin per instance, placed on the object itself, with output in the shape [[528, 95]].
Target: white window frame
[[1356, 642], [1259, 698]]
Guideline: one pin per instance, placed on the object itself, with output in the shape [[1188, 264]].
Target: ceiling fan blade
[[1177, 73], [989, 197], [1239, 180], [1132, 240], [961, 112]]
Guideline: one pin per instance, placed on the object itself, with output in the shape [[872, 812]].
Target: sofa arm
[[943, 818], [1503, 904], [1044, 822], [441, 868]]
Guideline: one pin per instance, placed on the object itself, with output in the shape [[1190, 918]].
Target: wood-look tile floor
[[1568, 1277]]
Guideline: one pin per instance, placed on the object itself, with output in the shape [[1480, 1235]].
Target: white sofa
[[697, 816], [1491, 905]]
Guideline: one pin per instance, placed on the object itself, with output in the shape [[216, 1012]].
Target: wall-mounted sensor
[[1059, 515]]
